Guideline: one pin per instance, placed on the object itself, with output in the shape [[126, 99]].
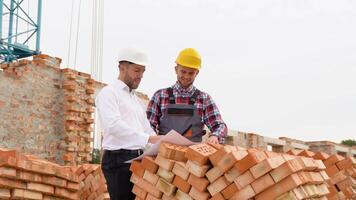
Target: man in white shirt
[[126, 130]]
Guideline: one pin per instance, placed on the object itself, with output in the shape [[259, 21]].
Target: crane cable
[[70, 33], [76, 40]]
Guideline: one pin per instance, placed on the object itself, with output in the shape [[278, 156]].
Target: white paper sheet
[[172, 137]]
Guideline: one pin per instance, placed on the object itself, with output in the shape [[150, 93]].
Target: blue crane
[[17, 28]]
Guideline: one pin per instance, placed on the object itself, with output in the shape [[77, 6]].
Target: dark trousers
[[117, 174]]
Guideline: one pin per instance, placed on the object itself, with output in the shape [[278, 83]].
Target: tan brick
[[198, 195], [231, 174], [179, 169], [266, 166], [307, 163], [164, 163], [287, 196], [140, 182], [25, 194], [306, 153], [5, 193], [197, 170], [200, 153], [181, 184], [284, 170], [7, 172], [165, 187], [173, 152], [43, 188], [149, 164], [218, 185], [51, 180], [243, 180], [246, 193], [182, 196], [151, 197], [9, 183], [165, 174], [214, 173], [199, 183], [280, 188], [66, 193], [151, 178]]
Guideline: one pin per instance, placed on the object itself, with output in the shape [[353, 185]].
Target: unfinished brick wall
[[46, 111]]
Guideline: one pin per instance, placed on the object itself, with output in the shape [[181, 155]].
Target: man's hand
[[154, 138], [213, 139]]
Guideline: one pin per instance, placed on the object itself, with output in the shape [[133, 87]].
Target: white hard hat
[[133, 55]]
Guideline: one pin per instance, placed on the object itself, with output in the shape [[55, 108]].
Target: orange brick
[[197, 170], [217, 196], [151, 197], [287, 168], [266, 165], [289, 195], [250, 160], [338, 177], [214, 173], [229, 191], [137, 168], [262, 183], [181, 184], [149, 164], [198, 195], [180, 170], [200, 153], [333, 159], [25, 194], [218, 186], [219, 154], [228, 160], [316, 177], [331, 170], [321, 156], [280, 188], [165, 174], [164, 163], [173, 152], [38, 187], [324, 175], [294, 152], [271, 154], [145, 186], [346, 163], [73, 186], [199, 183], [320, 165], [9, 183], [306, 153], [151, 178], [165, 187], [245, 193], [288, 157], [243, 180]]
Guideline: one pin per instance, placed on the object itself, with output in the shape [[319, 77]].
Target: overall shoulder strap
[[193, 98], [171, 96]]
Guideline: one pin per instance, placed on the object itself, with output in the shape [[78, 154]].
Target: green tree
[[349, 142]]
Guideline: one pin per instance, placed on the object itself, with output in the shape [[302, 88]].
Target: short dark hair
[[124, 62]]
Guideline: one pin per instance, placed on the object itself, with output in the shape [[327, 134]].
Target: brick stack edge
[[205, 171], [28, 177]]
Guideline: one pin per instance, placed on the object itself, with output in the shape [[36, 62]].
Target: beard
[[132, 83]]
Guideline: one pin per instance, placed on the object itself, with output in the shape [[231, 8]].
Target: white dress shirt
[[123, 118]]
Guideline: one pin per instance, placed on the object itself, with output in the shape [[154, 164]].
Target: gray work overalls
[[182, 118]]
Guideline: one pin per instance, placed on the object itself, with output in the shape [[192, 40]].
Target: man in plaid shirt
[[183, 107]]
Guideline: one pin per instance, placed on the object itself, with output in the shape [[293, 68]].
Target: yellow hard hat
[[189, 57]]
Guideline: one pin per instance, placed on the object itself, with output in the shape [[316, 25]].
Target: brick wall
[[47, 111]]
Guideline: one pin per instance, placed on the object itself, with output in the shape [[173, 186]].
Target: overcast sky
[[274, 67]]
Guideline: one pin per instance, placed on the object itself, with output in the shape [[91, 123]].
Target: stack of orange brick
[[342, 173], [28, 177], [205, 171]]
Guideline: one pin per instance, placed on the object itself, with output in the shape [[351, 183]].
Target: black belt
[[125, 151]]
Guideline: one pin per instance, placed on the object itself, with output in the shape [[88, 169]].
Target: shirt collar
[[120, 85], [177, 86]]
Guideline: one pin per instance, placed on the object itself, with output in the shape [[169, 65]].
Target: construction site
[[48, 128]]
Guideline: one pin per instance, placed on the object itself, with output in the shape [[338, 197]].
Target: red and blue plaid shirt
[[207, 109]]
